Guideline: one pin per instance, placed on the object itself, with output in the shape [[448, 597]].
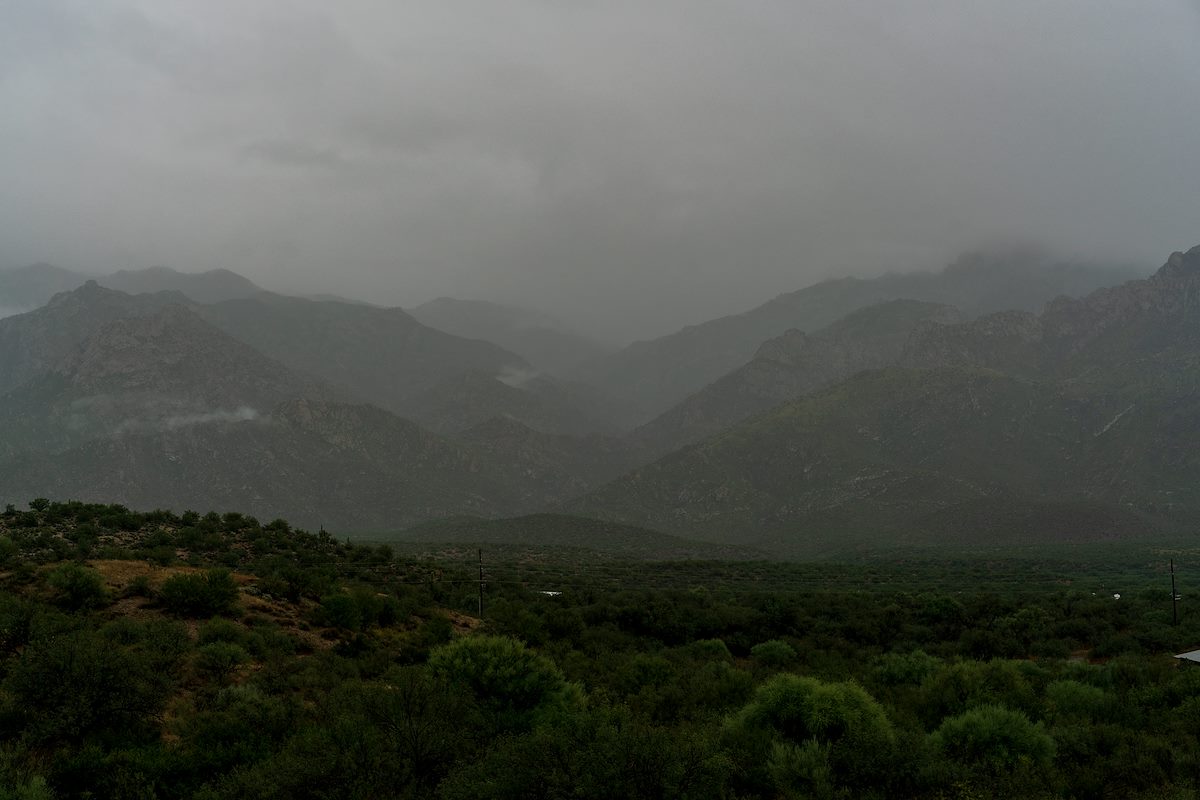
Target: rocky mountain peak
[[173, 353], [147, 343], [89, 291], [1181, 264]]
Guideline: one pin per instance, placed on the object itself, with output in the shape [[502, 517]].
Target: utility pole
[[1174, 597], [481, 582]]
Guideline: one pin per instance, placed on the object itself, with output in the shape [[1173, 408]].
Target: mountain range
[[543, 341], [160, 408], [1078, 423], [651, 377], [792, 365], [974, 404], [31, 287]]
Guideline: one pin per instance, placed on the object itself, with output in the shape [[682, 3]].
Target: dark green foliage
[[241, 725], [196, 594], [1069, 698], [513, 684], [595, 755], [434, 631], [800, 734], [994, 737], [218, 659], [75, 684], [995, 747], [77, 587], [220, 630], [773, 653], [340, 611], [773, 681]]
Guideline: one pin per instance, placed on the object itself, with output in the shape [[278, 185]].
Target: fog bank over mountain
[[632, 167]]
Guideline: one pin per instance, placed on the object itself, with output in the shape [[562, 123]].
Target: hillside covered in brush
[[155, 655]]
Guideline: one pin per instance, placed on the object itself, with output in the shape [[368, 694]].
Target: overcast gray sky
[[633, 165]]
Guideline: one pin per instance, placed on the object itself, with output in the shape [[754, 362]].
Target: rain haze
[[630, 166]]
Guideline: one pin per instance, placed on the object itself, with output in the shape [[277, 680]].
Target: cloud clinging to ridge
[[633, 165]]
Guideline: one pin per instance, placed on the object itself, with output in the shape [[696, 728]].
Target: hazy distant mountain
[[347, 467], [139, 399], [158, 408], [540, 339], [791, 365], [203, 287], [1125, 339], [550, 465], [30, 287], [655, 375], [387, 357], [888, 457], [163, 370], [470, 398], [35, 343], [381, 354], [1079, 423]]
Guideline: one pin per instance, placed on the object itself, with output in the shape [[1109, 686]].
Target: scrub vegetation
[[214, 656]]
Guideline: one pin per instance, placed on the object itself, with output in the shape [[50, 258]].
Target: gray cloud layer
[[634, 165]]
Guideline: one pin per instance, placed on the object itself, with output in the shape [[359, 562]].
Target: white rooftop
[[1191, 655]]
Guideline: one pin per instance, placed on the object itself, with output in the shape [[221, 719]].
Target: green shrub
[[77, 587], [709, 650], [9, 550], [774, 653], [339, 611], [510, 682], [219, 659], [1072, 698], [220, 630], [434, 631], [139, 587], [993, 738], [854, 738], [195, 594], [68, 686]]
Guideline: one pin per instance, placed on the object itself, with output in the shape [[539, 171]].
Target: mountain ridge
[[542, 340], [1089, 406], [652, 376]]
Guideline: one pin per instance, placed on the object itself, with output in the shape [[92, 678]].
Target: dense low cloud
[[632, 166]]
